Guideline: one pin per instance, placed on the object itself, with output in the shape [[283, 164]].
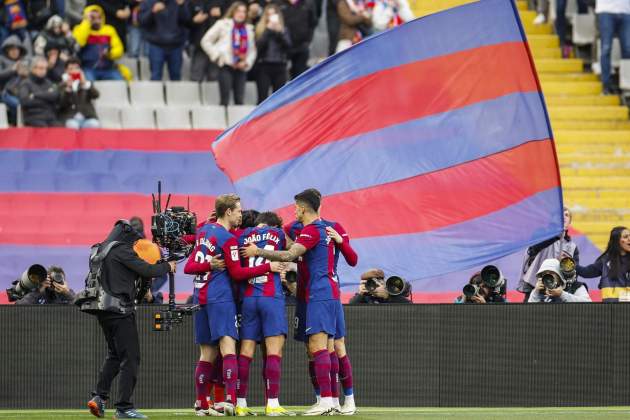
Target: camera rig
[[168, 228]]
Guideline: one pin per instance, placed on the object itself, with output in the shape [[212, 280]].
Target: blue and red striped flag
[[430, 143]]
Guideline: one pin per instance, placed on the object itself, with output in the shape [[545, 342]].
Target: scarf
[[15, 14], [239, 42]]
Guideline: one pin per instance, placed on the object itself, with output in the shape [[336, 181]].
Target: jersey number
[[258, 261]]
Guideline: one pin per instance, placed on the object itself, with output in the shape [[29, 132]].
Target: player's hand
[[217, 263], [278, 267], [173, 265], [478, 299], [334, 235], [249, 251], [554, 292]]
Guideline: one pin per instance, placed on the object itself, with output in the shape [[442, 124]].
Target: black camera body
[[170, 226], [28, 281], [395, 286]]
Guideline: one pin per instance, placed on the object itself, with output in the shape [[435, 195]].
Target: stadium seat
[[137, 117], [112, 92], [251, 94], [4, 121], [624, 75], [584, 32], [132, 64], [182, 93], [235, 113], [173, 117], [144, 68], [209, 117], [147, 93], [109, 116], [210, 93]]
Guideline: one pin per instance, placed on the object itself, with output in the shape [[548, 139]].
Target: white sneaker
[[321, 409], [348, 408], [540, 19]]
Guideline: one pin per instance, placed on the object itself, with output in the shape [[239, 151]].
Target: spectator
[[332, 23], [556, 247], [76, 95], [353, 17], [561, 22], [300, 19], [10, 94], [54, 289], [230, 44], [567, 291], [12, 51], [542, 9], [56, 64], [387, 14], [15, 22], [205, 13], [74, 11], [38, 12], [59, 32], [164, 23], [135, 38], [378, 294], [272, 43], [613, 17], [100, 45], [613, 267], [39, 96], [117, 14]]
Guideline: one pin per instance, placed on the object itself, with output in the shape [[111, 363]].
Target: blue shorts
[[262, 317], [322, 316], [215, 320], [341, 323], [299, 322]]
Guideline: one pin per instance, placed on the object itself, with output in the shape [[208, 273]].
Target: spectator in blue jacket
[[164, 23]]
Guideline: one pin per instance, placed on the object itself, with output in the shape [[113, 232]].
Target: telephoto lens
[[470, 290], [550, 281], [371, 285]]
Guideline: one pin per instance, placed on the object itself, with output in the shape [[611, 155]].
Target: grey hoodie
[[6, 64]]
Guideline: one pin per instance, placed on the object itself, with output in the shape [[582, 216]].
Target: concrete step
[[546, 53], [572, 88], [584, 183], [588, 204], [574, 196], [568, 77], [543, 41], [601, 215], [610, 149], [603, 160], [527, 15], [521, 5], [593, 136], [598, 228], [584, 100], [590, 125], [594, 172], [585, 113], [531, 29], [552, 65]]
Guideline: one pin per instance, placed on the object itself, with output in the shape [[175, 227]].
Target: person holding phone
[[76, 95]]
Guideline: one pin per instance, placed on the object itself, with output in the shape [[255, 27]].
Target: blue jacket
[[168, 28]]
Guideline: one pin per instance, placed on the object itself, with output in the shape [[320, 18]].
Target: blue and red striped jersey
[[268, 285], [317, 268]]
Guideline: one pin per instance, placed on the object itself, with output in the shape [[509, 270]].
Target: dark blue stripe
[[486, 22], [110, 171], [401, 151]]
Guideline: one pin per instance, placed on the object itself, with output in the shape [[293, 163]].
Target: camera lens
[[491, 276], [371, 285], [549, 281], [470, 290]]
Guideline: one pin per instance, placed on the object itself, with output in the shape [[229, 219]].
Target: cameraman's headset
[[145, 249]]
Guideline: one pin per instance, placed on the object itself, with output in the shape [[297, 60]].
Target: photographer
[[485, 286], [554, 286], [53, 289], [119, 271], [372, 289]]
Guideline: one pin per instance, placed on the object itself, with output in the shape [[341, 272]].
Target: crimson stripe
[[431, 201], [138, 140], [421, 88], [77, 219]]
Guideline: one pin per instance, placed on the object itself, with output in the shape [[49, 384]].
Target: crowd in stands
[[52, 51]]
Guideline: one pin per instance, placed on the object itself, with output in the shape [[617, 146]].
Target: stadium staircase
[[592, 131]]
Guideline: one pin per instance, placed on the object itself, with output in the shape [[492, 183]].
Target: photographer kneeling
[[52, 289], [557, 283], [375, 289], [485, 286]]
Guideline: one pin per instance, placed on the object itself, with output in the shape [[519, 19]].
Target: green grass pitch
[[370, 413]]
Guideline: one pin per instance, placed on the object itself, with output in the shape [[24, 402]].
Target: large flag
[[430, 143]]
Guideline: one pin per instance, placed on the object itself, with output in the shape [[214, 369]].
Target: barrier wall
[[410, 355]]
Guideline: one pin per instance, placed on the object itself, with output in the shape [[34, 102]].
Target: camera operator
[[372, 290], [53, 289], [553, 286], [120, 269], [490, 290]]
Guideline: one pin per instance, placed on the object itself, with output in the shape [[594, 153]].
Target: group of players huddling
[[238, 286]]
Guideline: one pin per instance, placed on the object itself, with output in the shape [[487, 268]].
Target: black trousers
[[123, 357], [299, 62], [232, 79], [272, 75]]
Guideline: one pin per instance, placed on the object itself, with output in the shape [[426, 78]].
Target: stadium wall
[[410, 355]]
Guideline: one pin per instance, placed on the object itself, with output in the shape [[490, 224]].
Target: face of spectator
[[567, 219], [239, 14], [624, 241], [13, 53], [56, 29], [75, 68], [95, 20], [40, 68]]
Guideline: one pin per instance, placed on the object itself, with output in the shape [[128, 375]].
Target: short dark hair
[[269, 218], [57, 269], [225, 202], [249, 218], [311, 197], [72, 60]]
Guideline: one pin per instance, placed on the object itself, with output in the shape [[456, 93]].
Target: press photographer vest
[[95, 298]]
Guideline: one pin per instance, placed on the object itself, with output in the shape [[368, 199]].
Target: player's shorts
[[215, 320], [299, 322], [262, 317], [322, 316], [341, 323]]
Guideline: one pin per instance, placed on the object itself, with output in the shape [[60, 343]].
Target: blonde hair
[[264, 19], [229, 14], [225, 202]]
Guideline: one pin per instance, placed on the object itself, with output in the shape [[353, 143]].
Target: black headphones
[[126, 226]]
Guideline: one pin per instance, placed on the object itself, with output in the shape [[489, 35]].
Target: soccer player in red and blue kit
[[316, 271], [216, 322], [341, 367], [263, 316]]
